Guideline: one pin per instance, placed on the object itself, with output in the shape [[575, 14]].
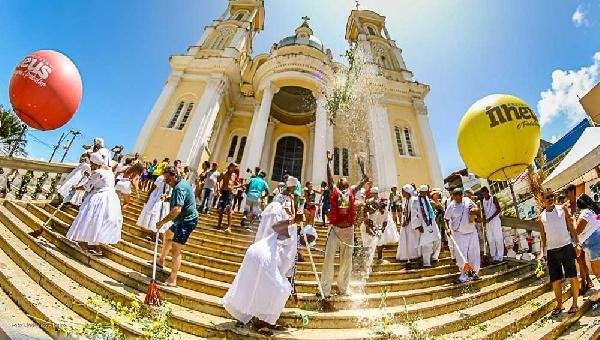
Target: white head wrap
[[374, 190], [291, 181], [310, 230], [97, 158], [408, 188], [423, 187], [99, 141]]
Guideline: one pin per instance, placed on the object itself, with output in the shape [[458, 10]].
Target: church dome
[[304, 36]]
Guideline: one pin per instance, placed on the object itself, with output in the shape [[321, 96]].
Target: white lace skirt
[[99, 219], [151, 214]]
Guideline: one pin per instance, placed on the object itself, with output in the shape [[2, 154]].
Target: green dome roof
[[294, 40]]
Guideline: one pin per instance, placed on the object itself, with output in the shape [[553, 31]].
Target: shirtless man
[[227, 183]]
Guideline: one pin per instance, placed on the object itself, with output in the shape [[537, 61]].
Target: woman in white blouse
[[588, 229]]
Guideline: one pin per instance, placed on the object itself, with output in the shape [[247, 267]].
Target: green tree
[[10, 131]]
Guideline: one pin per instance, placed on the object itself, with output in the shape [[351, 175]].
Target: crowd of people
[[418, 220]]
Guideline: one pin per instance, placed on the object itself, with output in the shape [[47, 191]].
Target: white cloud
[[579, 17], [562, 98], [553, 139]]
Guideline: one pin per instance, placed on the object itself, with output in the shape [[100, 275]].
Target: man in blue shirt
[[256, 190], [184, 216]]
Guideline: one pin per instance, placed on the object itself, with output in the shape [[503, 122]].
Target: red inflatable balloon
[[45, 90]]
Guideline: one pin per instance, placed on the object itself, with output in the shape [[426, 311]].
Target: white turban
[[408, 188], [374, 190], [423, 188], [310, 230], [99, 141], [97, 159], [291, 181]]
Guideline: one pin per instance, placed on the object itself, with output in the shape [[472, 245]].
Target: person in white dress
[[79, 190], [424, 221], [493, 226], [128, 183], [408, 243], [99, 220], [460, 224], [155, 207], [261, 286], [282, 208], [74, 177], [379, 229]]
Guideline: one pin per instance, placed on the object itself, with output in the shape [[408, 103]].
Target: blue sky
[[464, 49]]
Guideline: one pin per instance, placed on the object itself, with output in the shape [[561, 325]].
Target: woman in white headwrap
[[128, 183], [408, 243], [74, 177], [151, 213], [99, 220], [261, 286], [282, 208]]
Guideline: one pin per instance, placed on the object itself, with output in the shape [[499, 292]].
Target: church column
[[201, 124], [256, 138], [435, 170], [382, 148], [221, 137], [310, 152], [154, 114], [320, 144], [265, 157], [330, 137]]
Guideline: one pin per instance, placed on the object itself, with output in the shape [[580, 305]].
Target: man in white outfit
[[459, 218], [424, 221], [493, 226], [408, 243]]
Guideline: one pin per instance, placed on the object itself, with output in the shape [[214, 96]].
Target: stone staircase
[[52, 280]]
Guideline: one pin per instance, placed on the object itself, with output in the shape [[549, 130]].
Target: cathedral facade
[[221, 103]]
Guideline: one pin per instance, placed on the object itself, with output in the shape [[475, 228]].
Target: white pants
[[345, 271], [469, 246], [495, 239], [430, 251]]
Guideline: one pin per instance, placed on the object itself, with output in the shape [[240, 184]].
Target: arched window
[[336, 161], [288, 158], [240, 152], [371, 30], [176, 114], [232, 147], [409, 143], [341, 163], [239, 16], [345, 162], [186, 116], [399, 141]]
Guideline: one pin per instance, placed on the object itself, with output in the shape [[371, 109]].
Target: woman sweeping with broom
[[460, 225]]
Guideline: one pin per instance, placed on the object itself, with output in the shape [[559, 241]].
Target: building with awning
[[591, 104], [581, 165]]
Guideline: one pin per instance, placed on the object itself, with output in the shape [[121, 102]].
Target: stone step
[[15, 324], [502, 326], [347, 318], [61, 286], [226, 249], [303, 287], [586, 328], [39, 305], [549, 327], [91, 271]]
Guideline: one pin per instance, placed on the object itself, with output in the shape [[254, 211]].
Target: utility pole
[[75, 134], [56, 147], [16, 142]]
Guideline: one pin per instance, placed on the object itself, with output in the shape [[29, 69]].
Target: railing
[[26, 179], [518, 234]]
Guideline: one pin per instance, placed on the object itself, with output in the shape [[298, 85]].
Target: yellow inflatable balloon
[[498, 137]]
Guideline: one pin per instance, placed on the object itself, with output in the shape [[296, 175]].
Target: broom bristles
[[152, 295], [467, 268]]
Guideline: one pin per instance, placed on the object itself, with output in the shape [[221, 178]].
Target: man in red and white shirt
[[341, 233]]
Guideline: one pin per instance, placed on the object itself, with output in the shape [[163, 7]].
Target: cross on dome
[[306, 19], [357, 4]]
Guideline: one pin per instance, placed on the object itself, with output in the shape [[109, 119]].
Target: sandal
[[556, 311], [573, 310]]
